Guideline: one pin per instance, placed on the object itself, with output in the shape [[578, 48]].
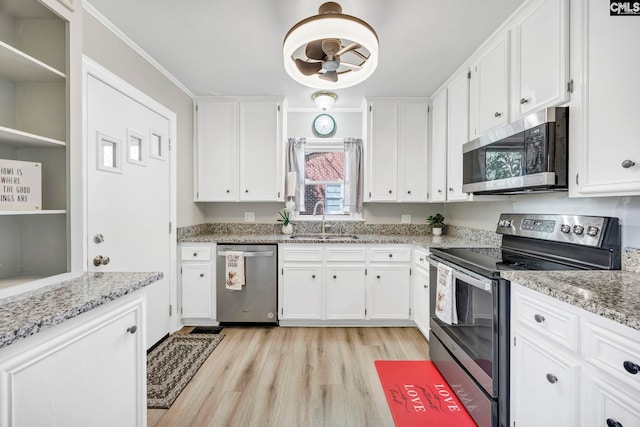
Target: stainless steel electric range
[[472, 353]]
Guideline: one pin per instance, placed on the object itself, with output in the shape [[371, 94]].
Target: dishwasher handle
[[249, 254]]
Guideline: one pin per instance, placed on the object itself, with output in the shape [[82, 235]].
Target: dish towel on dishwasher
[[446, 295], [234, 261]]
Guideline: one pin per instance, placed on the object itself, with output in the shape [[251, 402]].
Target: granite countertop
[[27, 313], [610, 294]]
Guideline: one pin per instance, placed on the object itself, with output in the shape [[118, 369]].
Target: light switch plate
[[406, 219], [249, 217]]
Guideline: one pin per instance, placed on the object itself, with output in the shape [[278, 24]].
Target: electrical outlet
[[249, 217], [406, 219]]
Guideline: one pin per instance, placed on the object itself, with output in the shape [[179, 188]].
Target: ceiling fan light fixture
[[324, 100], [328, 26]]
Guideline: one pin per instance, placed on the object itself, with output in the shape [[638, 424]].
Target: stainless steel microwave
[[524, 156]]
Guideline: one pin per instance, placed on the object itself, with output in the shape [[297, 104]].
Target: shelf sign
[[20, 185]]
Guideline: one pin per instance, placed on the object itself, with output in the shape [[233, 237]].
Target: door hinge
[[196, 107], [365, 311], [365, 272], [409, 312], [180, 270], [181, 311], [410, 272], [577, 179], [278, 108], [282, 271], [169, 144], [469, 74], [282, 311], [370, 108], [170, 310], [197, 195], [428, 109], [170, 227], [570, 86], [514, 341], [278, 194]]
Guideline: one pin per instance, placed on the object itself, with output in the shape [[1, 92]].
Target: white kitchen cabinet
[[582, 368], [40, 121], [239, 150], [540, 66], [397, 150], [420, 295], [197, 283], [605, 149], [438, 148], [300, 288], [389, 282], [489, 106], [76, 373], [457, 134], [345, 288]]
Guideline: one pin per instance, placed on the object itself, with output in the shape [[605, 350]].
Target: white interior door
[[128, 193]]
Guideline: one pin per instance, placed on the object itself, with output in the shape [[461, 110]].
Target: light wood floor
[[293, 377]]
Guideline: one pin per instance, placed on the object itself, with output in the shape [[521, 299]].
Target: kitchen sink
[[320, 236]]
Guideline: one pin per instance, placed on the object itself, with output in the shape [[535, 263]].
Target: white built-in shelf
[[35, 212], [18, 138], [20, 67]]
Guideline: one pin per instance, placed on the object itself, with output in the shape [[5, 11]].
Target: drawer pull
[[132, 329], [539, 318], [552, 378], [421, 259], [613, 423], [631, 367], [195, 254], [390, 255]]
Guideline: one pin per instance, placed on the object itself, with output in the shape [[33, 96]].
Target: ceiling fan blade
[[314, 50], [348, 48], [352, 66], [332, 76], [308, 68]]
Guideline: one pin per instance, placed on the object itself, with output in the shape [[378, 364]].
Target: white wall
[[483, 215], [104, 47]]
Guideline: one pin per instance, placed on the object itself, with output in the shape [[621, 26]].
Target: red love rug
[[418, 396]]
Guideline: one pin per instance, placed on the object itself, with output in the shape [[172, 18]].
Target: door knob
[[98, 238], [101, 260]]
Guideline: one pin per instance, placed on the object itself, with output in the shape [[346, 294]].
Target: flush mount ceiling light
[[324, 100], [330, 50]]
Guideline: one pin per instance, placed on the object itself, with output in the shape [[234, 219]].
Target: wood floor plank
[[281, 376]]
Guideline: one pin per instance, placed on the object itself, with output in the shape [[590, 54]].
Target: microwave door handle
[[472, 281]]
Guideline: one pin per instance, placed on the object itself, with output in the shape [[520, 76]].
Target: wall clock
[[324, 125]]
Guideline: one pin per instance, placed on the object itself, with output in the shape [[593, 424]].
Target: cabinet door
[[197, 290], [544, 387], [389, 288], [217, 155], [91, 376], [490, 85], [541, 58], [261, 171], [458, 135], [438, 158], [421, 300], [605, 120], [302, 292], [383, 160], [345, 288], [413, 147], [605, 403]]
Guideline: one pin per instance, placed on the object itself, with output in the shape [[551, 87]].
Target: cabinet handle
[[228, 191], [246, 191], [538, 318], [390, 192], [628, 163], [450, 188], [439, 191], [378, 276], [613, 423], [631, 367], [195, 254], [425, 286], [335, 277], [408, 191], [132, 329], [497, 114], [552, 378], [201, 274], [524, 101], [390, 255], [313, 276], [421, 259]]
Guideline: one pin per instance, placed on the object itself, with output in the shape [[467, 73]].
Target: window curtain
[[295, 163], [353, 175]]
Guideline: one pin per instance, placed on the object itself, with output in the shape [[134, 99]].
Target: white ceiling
[[234, 47]]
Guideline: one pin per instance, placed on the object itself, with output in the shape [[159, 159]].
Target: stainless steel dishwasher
[[257, 301]]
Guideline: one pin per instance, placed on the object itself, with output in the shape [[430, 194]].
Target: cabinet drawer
[[550, 321], [390, 254], [345, 253], [420, 258], [612, 351], [202, 253], [302, 253]]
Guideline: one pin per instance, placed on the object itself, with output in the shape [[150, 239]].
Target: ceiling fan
[[330, 46]]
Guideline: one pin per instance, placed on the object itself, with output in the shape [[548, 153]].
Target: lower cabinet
[[571, 367], [88, 371], [197, 283], [420, 296], [334, 283]]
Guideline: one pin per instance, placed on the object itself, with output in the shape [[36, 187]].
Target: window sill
[[318, 218]]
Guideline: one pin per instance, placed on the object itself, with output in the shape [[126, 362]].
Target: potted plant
[[285, 219], [437, 223]]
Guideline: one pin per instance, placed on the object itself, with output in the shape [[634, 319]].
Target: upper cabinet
[[40, 118], [239, 150], [540, 66], [489, 106], [457, 134], [605, 149], [438, 151], [397, 150]]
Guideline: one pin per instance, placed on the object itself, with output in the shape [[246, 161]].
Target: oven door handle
[[485, 286]]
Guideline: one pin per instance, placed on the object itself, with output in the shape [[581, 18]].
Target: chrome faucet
[[315, 209]]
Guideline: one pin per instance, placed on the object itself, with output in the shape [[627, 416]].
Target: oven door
[[473, 340]]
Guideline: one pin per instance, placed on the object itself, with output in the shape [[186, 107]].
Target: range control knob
[[507, 223], [592, 231], [501, 223], [565, 228], [578, 229]]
